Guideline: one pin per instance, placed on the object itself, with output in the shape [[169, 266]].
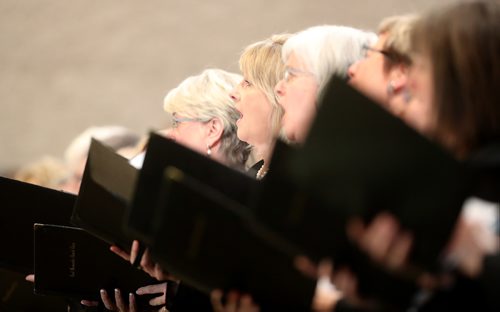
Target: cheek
[[371, 74], [293, 98], [287, 105], [187, 137], [249, 102], [294, 104], [182, 140], [420, 87], [420, 80], [357, 69], [429, 86], [309, 95], [265, 108], [242, 103], [308, 111]]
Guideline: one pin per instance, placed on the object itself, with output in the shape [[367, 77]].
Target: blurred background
[[68, 65]]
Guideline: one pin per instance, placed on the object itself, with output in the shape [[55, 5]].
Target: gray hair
[[206, 96], [328, 50], [116, 137]]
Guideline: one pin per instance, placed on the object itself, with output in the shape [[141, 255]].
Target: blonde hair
[[328, 50], [47, 171], [261, 64], [206, 96], [398, 41]]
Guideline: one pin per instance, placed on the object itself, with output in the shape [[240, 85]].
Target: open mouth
[[241, 116]]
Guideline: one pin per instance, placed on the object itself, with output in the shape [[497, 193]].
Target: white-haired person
[[256, 100], [311, 57], [203, 119]]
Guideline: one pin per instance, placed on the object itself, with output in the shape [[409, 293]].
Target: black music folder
[[210, 241], [161, 153], [73, 263], [23, 204], [106, 190], [358, 161]]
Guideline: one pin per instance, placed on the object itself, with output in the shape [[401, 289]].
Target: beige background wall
[[67, 65]]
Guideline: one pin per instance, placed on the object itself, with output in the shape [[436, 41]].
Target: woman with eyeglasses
[[383, 73], [311, 57], [454, 79], [203, 119], [258, 97]]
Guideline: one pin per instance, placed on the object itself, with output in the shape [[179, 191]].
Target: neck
[[217, 155], [399, 102], [264, 152]]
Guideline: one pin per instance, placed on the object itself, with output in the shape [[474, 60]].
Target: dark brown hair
[[463, 43]]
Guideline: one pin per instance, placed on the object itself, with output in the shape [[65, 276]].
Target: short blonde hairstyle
[[206, 96], [398, 42], [328, 50], [261, 64]]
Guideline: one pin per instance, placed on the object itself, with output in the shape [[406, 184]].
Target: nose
[[235, 96], [280, 88], [352, 70]]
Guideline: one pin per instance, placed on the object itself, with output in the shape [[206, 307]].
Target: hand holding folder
[[72, 263], [209, 241], [360, 161], [142, 261]]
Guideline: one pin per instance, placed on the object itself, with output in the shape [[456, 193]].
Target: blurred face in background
[[368, 75], [419, 113]]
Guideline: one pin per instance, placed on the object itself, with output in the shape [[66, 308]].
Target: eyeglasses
[[177, 120], [291, 72], [383, 52]]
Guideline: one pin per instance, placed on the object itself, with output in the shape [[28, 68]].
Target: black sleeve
[[490, 280], [464, 295], [344, 306]]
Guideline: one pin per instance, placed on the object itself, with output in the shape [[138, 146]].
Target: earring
[[390, 88], [209, 151]]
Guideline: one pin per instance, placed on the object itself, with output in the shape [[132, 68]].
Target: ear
[[213, 131], [398, 76]]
